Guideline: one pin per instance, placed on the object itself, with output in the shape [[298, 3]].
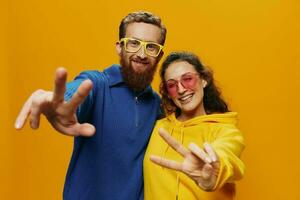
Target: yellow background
[[252, 45]]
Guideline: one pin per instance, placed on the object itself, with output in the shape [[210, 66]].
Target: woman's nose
[[181, 88]]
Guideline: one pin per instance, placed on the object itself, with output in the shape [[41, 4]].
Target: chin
[[139, 69], [188, 109]]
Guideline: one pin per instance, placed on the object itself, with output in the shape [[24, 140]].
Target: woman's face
[[185, 88]]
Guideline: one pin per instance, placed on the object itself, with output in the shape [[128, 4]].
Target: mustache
[[137, 81], [140, 60]]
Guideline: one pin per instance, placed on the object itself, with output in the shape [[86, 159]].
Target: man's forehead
[[143, 31]]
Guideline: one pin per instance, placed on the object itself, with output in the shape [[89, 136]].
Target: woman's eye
[[170, 85], [187, 79]]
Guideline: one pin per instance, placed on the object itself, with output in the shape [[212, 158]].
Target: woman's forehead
[[177, 69]]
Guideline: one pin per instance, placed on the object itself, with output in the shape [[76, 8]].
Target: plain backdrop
[[252, 46]]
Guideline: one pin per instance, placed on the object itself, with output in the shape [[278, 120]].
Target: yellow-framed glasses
[[133, 45]]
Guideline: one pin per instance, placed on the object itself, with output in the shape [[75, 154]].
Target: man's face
[[138, 68]]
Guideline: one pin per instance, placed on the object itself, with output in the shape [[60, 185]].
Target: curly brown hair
[[213, 102], [145, 17]]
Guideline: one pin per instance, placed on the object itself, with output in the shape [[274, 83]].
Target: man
[[117, 108]]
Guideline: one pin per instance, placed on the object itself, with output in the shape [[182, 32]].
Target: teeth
[[185, 97]]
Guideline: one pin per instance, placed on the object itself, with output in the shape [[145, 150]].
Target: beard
[[137, 81]]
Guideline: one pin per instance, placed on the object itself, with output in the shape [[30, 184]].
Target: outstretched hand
[[61, 114], [201, 165]]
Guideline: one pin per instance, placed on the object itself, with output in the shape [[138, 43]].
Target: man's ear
[[118, 48]]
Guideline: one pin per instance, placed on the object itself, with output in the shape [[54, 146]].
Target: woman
[[203, 161]]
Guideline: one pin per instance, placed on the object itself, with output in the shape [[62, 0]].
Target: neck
[[184, 116]]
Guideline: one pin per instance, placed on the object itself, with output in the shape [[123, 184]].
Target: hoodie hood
[[223, 118], [217, 129]]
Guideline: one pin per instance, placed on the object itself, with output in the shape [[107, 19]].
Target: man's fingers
[[199, 153], [59, 85], [20, 121], [170, 164], [172, 142], [210, 151], [79, 96], [35, 116], [39, 101], [85, 129], [76, 129], [26, 109]]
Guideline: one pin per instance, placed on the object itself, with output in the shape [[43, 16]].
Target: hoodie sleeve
[[228, 145]]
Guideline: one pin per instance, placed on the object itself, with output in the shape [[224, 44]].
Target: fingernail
[[18, 124], [193, 145], [208, 160], [213, 158]]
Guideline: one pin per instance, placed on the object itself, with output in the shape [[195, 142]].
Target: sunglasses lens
[[188, 81], [171, 86]]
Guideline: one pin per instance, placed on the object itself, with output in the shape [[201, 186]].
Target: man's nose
[[141, 52]]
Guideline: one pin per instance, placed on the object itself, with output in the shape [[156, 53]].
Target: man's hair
[[145, 17], [212, 100]]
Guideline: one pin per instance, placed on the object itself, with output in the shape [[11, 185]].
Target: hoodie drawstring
[[164, 155], [177, 176]]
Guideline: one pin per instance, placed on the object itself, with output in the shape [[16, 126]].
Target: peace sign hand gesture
[[61, 114], [201, 165]]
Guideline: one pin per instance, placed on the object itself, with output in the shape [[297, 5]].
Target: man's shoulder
[[97, 76], [91, 74]]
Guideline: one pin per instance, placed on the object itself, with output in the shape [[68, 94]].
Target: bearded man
[[111, 114]]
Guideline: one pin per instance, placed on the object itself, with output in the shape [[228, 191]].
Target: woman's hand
[[201, 165]]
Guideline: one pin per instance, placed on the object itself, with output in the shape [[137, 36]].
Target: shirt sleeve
[[228, 145], [84, 110]]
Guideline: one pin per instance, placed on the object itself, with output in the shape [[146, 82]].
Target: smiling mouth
[[186, 98], [139, 66], [139, 62]]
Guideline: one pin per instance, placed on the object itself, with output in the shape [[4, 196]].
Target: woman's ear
[[204, 83]]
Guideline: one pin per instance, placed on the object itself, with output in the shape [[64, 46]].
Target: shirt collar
[[114, 75]]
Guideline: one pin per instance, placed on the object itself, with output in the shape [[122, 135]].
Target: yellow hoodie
[[217, 129]]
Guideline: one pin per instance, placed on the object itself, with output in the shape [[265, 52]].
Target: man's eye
[[134, 42], [151, 47]]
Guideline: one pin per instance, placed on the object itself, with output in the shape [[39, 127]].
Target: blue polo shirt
[[108, 165]]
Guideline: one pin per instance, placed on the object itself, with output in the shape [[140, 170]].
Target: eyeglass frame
[[142, 43], [180, 81]]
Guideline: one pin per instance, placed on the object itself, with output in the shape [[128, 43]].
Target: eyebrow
[[181, 75], [143, 40]]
